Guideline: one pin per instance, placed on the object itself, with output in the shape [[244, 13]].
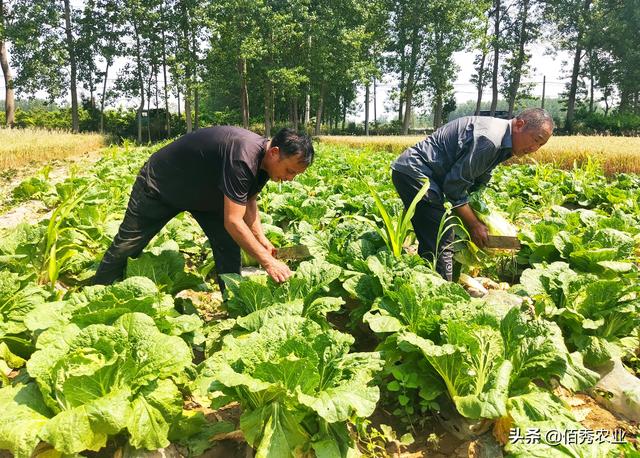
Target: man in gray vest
[[457, 159]]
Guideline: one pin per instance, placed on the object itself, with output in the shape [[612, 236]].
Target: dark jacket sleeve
[[473, 164], [481, 181]]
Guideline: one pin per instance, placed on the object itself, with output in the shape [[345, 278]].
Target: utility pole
[[544, 87]]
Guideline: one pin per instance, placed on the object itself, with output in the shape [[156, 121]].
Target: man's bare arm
[[236, 226], [252, 218]]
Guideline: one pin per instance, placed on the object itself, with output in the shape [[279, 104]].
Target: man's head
[[530, 130], [288, 154]]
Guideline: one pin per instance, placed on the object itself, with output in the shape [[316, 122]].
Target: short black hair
[[535, 118], [292, 143]]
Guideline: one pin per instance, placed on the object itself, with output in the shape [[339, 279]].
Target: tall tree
[[339, 29], [454, 24], [424, 36], [481, 64], [498, 13], [43, 47], [9, 100], [520, 30], [615, 36], [572, 20], [408, 45], [71, 50]]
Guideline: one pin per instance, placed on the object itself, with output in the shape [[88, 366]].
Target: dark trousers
[[146, 215], [426, 223]]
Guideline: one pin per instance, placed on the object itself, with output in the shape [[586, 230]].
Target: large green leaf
[[102, 379], [22, 418], [152, 411], [166, 267]]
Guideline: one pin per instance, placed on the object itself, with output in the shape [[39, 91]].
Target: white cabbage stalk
[[498, 224]]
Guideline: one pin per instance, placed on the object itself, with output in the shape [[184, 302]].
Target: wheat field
[[19, 147], [615, 154]]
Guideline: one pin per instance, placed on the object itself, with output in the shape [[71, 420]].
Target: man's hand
[[479, 234], [256, 244], [477, 230], [278, 270]]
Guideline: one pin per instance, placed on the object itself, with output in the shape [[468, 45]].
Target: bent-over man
[[215, 174], [457, 159]]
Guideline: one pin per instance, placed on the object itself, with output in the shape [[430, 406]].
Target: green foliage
[[307, 293], [612, 124], [395, 229], [166, 267], [597, 316], [88, 364], [297, 385], [95, 382]]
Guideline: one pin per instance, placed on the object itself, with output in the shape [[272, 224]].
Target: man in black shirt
[[215, 174]]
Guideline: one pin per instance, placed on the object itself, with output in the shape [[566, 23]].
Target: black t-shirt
[[197, 170]]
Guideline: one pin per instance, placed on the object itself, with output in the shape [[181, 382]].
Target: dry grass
[[19, 147], [616, 154]]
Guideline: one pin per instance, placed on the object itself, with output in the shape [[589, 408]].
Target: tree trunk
[[575, 73], [344, 114], [164, 72], [296, 120], [480, 85], [157, 88], [366, 110], [571, 101], [9, 98], [140, 81], [75, 125], [522, 40], [591, 84], [196, 108], [319, 110], [481, 71], [149, 109], [196, 88], [307, 107], [409, 86], [187, 102], [179, 104], [401, 88], [437, 111], [407, 108], [244, 94], [187, 70], [375, 101], [102, 99], [496, 58], [267, 108]]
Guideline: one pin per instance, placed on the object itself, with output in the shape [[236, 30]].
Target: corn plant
[[395, 229], [448, 222], [55, 254]]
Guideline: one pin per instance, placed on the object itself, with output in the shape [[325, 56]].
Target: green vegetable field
[[364, 351]]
